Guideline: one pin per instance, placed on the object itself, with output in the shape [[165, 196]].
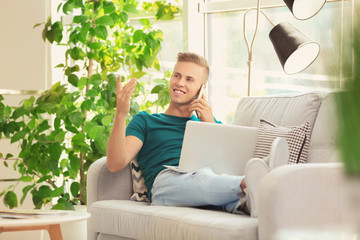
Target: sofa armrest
[[105, 185], [303, 196]]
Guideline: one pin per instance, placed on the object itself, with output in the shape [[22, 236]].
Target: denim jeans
[[200, 188]]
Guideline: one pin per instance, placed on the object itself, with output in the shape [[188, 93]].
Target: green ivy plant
[[66, 129]]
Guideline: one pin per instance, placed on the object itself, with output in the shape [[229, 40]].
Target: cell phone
[[199, 96], [201, 92]]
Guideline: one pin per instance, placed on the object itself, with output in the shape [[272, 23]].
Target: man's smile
[[178, 91]]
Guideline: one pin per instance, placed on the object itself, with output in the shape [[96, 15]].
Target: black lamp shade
[[304, 9], [295, 51]]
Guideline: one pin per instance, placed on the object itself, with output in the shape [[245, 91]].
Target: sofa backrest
[[294, 110], [324, 135]]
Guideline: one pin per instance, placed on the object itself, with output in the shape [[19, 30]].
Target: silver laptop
[[224, 148]]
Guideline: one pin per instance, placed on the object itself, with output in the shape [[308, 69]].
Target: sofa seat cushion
[[139, 220]]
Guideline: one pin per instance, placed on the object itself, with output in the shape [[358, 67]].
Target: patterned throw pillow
[[298, 139], [138, 181]]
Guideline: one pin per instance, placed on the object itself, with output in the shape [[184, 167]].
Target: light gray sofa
[[290, 197]]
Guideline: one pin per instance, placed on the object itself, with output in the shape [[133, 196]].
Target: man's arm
[[121, 149]]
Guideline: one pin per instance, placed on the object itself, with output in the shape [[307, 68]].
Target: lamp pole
[[250, 46]]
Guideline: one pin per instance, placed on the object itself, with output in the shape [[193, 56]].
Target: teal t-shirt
[[162, 136]]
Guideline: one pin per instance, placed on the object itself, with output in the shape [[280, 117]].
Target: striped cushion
[[298, 139], [139, 187]]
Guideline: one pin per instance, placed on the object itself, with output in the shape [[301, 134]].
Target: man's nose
[[181, 81]]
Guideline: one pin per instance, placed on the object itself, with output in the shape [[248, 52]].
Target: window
[[227, 54]]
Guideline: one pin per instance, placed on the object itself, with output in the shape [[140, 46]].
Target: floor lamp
[[294, 50]]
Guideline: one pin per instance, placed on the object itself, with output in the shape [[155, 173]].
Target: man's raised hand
[[123, 95]]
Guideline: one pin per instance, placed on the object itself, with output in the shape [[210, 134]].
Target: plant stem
[[85, 113]]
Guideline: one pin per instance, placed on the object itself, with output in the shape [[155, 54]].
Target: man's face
[[186, 82]]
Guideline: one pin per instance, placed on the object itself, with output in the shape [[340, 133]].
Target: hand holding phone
[[199, 96]]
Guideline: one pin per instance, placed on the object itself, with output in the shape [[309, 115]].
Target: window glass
[[228, 55]]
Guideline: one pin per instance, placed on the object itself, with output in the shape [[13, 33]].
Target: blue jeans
[[200, 188]]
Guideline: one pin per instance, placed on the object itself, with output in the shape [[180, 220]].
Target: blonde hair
[[194, 58]]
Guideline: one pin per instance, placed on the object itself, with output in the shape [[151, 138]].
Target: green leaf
[[25, 179], [38, 24], [61, 65], [115, 17], [102, 103], [7, 111], [124, 17], [95, 79], [138, 74], [84, 32], [73, 80], [55, 152], [77, 53], [156, 64], [60, 137], [75, 162], [92, 92], [18, 112], [101, 32], [31, 124], [75, 189], [105, 20], [139, 35], [107, 120], [109, 7], [10, 199], [25, 153], [63, 206], [87, 104], [68, 7], [73, 38], [82, 83], [130, 8], [57, 122], [57, 191], [9, 155], [75, 68], [25, 191], [17, 136], [95, 45], [79, 4], [164, 13], [44, 192], [78, 138], [55, 34], [58, 8], [89, 125], [163, 97], [43, 126], [44, 178], [157, 89], [145, 22], [71, 128], [76, 118], [96, 131], [80, 19]]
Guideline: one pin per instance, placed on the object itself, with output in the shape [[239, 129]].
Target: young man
[[156, 140]]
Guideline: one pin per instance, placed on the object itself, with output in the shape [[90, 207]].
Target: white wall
[[23, 66]]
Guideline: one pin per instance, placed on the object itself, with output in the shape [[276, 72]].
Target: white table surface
[[48, 218]]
